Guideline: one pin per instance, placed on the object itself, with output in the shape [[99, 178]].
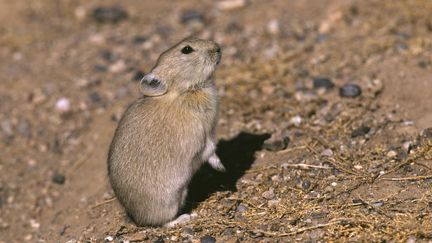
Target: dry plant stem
[[411, 178], [301, 230], [103, 203]]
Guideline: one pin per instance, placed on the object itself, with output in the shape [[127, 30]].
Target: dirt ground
[[304, 162]]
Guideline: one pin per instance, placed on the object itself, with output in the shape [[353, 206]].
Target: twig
[[290, 149], [301, 230], [103, 203], [306, 166], [411, 178]]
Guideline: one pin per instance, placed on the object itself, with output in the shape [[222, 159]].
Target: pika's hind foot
[[184, 218]]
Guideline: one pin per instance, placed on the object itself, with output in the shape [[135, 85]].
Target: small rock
[[378, 204], [207, 239], [276, 144], [108, 238], [333, 184], [411, 239], [358, 167], [273, 202], [34, 224], [427, 133], [391, 154], [350, 90], [306, 184], [192, 18], [63, 105], [231, 4], [269, 194], [117, 67], [325, 83], [296, 121], [6, 126], [361, 131], [328, 189], [241, 208], [24, 128], [159, 240], [273, 27], [111, 14], [95, 97], [327, 153], [139, 39], [58, 178]]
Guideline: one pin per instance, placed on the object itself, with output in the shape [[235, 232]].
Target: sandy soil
[[357, 169]]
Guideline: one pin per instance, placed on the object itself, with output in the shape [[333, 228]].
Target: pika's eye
[[187, 49]]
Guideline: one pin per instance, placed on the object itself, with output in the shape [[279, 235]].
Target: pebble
[[328, 189], [207, 239], [192, 17], [305, 184], [58, 178], [159, 240], [296, 121], [361, 131], [391, 154], [117, 67], [6, 126], [322, 83], [358, 167], [241, 208], [411, 239], [327, 153], [231, 4], [269, 194], [333, 184], [95, 97], [111, 14], [139, 39], [273, 202], [63, 105], [378, 204], [350, 91], [273, 27], [276, 144], [109, 238]]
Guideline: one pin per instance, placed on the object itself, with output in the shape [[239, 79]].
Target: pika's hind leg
[[209, 155], [182, 218]]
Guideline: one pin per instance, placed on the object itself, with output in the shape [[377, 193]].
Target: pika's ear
[[150, 85]]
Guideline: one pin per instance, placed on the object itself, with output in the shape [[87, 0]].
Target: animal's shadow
[[237, 155]]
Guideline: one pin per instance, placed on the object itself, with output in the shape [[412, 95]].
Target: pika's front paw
[[216, 164]]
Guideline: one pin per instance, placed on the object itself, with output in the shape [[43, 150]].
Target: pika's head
[[186, 66]]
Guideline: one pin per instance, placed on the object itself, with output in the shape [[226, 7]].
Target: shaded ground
[[356, 169]]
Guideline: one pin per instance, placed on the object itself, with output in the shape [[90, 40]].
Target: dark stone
[[350, 91], [100, 68], [322, 83], [241, 208], [113, 14], [276, 144], [95, 97], [56, 146], [58, 178], [24, 128], [191, 16], [138, 75], [361, 131], [207, 239], [159, 240], [306, 184], [139, 39]]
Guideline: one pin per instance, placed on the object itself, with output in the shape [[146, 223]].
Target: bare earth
[[357, 169]]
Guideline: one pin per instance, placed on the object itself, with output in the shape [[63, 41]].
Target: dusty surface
[[355, 169]]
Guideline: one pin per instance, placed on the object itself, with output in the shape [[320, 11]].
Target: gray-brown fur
[[165, 136]]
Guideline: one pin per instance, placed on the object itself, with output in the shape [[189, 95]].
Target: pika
[[164, 137]]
